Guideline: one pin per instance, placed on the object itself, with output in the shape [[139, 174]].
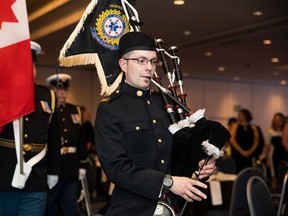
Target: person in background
[[244, 140], [285, 138], [41, 133], [132, 138], [91, 153], [89, 131], [227, 147], [274, 150], [73, 150]]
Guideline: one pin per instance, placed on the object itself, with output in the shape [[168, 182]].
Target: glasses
[[144, 61]]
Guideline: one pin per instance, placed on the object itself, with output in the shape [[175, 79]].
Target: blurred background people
[[244, 140], [285, 138], [40, 132], [73, 150], [91, 154], [227, 147], [274, 150]]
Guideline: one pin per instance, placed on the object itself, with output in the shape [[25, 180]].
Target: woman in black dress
[[274, 144], [244, 140]]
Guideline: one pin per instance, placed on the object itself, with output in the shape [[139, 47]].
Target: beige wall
[[220, 98]]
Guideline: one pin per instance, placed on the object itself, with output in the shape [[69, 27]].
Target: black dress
[[245, 139], [279, 150]]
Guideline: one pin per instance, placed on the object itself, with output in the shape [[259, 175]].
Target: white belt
[[68, 150]]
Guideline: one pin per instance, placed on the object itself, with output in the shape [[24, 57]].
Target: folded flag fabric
[[16, 76], [95, 41]]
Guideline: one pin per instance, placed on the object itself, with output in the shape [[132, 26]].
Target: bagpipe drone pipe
[[194, 137]]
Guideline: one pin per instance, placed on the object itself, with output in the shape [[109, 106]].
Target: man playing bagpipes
[[132, 137]]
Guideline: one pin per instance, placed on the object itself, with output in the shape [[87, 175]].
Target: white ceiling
[[227, 28]]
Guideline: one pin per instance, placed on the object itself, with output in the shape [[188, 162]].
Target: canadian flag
[[16, 67]]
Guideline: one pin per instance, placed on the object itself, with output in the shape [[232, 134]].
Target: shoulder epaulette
[[80, 114], [112, 97]]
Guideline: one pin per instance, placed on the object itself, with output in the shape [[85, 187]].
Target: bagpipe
[[194, 137]]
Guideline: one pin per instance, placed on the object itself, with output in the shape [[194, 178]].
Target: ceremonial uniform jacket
[[40, 127], [72, 135], [134, 147]]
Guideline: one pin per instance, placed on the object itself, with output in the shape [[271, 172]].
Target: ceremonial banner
[[95, 41], [16, 68]]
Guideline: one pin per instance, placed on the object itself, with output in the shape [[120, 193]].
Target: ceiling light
[[208, 53], [275, 60], [257, 13], [179, 2], [283, 82], [236, 78], [187, 33], [267, 42], [221, 69], [275, 73]]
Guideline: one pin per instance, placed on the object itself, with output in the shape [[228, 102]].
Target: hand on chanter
[[187, 188], [208, 169]]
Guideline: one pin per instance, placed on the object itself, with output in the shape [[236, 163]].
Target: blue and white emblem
[[109, 28]]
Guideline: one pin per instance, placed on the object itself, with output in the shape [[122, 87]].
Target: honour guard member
[[132, 138], [41, 144], [73, 150]]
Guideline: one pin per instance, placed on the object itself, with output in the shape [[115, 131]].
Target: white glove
[[52, 180], [82, 173]]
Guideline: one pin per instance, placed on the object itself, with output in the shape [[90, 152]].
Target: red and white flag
[[16, 67]]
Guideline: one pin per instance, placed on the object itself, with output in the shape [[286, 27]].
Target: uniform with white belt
[[73, 151]]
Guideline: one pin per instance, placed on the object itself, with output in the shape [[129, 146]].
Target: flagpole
[[21, 145]]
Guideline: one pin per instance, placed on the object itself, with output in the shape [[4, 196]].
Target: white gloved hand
[[52, 180], [82, 173]]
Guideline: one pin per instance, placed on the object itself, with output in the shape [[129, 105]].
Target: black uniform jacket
[[39, 128], [72, 135], [134, 147]]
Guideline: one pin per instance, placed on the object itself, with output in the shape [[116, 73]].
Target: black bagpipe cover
[[187, 145]]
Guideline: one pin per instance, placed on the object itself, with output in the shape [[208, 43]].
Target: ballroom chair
[[238, 203], [259, 197], [226, 164], [283, 205], [282, 170], [276, 192]]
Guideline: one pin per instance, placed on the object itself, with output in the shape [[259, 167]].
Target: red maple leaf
[[6, 13]]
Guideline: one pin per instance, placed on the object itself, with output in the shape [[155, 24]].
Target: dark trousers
[[63, 195], [22, 203]]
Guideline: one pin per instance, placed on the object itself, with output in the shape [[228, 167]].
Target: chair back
[[259, 198], [283, 204], [282, 169], [226, 164], [239, 195]]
